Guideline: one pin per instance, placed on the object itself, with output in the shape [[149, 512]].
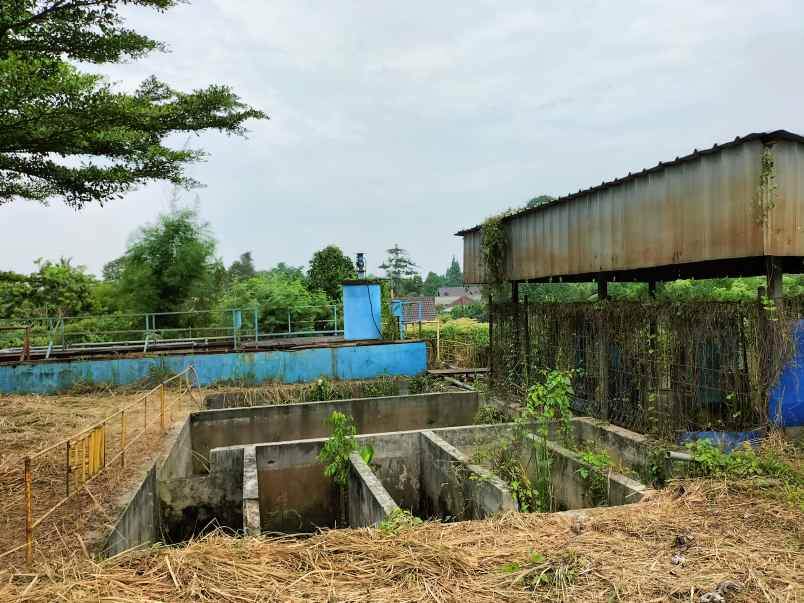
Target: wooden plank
[[457, 371]]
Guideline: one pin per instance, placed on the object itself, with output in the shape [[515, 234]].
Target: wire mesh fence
[[651, 367]]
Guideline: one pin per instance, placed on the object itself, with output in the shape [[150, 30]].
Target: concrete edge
[[373, 485], [251, 494], [484, 476], [200, 415], [633, 488]]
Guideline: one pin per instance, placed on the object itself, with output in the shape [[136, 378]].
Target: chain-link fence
[[652, 367]]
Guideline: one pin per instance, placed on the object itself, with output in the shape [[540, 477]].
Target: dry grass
[[617, 554], [29, 423]]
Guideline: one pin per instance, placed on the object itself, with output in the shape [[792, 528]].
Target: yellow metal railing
[[85, 453]]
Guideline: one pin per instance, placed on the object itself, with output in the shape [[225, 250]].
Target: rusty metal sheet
[[698, 209]]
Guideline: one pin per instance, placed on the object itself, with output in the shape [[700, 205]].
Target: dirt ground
[[30, 423], [685, 542]]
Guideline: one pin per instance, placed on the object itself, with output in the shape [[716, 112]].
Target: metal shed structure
[[736, 209]]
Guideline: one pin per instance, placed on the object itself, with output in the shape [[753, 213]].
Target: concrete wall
[[369, 502], [179, 461], [286, 422], [139, 522], [397, 463], [295, 495], [572, 491], [402, 359], [194, 505], [451, 487]]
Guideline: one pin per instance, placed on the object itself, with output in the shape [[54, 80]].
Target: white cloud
[[402, 122]]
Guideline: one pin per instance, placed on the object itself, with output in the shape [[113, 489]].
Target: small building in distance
[[417, 309], [449, 297]]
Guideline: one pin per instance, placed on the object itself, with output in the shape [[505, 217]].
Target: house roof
[[470, 290], [417, 309]]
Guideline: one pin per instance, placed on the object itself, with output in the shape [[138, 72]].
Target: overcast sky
[[402, 122]]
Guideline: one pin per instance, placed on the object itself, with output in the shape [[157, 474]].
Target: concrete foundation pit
[[257, 470]]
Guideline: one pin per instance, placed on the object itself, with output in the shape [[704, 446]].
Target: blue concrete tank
[[362, 310]]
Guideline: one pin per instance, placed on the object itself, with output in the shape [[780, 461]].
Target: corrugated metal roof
[[764, 137]]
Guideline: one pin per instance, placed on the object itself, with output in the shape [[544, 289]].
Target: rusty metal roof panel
[[698, 208]]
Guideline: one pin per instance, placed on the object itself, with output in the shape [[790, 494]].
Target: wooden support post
[[652, 289], [515, 291], [491, 339], [773, 276], [602, 287], [438, 340], [603, 353], [162, 406], [122, 438], [28, 511], [526, 340], [68, 472]]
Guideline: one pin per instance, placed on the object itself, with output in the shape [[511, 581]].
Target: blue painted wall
[[362, 316], [298, 366], [787, 398]]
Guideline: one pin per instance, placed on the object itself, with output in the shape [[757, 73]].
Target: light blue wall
[[362, 317], [298, 366]]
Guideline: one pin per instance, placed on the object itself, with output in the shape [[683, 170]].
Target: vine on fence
[[656, 368], [494, 250]]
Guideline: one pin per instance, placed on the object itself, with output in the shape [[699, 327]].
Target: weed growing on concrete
[[596, 474], [489, 414], [335, 453]]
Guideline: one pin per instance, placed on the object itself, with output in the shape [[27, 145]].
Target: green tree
[[171, 265], [294, 272], [68, 134], [432, 283], [55, 288], [454, 275], [242, 267], [398, 267], [328, 267], [275, 294]]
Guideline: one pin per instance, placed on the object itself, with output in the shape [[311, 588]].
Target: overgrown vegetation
[[525, 463], [772, 460], [596, 475], [335, 455]]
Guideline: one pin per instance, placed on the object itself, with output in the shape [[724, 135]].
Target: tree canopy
[[68, 134], [170, 265], [398, 267], [328, 268]]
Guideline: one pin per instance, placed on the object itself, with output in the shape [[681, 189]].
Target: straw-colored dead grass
[[31, 422], [618, 554]]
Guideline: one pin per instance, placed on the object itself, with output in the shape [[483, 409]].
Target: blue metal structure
[[362, 310], [786, 406]]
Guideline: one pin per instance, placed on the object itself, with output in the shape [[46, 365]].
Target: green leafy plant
[[596, 474], [397, 520], [336, 451], [489, 414], [493, 251], [537, 571]]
